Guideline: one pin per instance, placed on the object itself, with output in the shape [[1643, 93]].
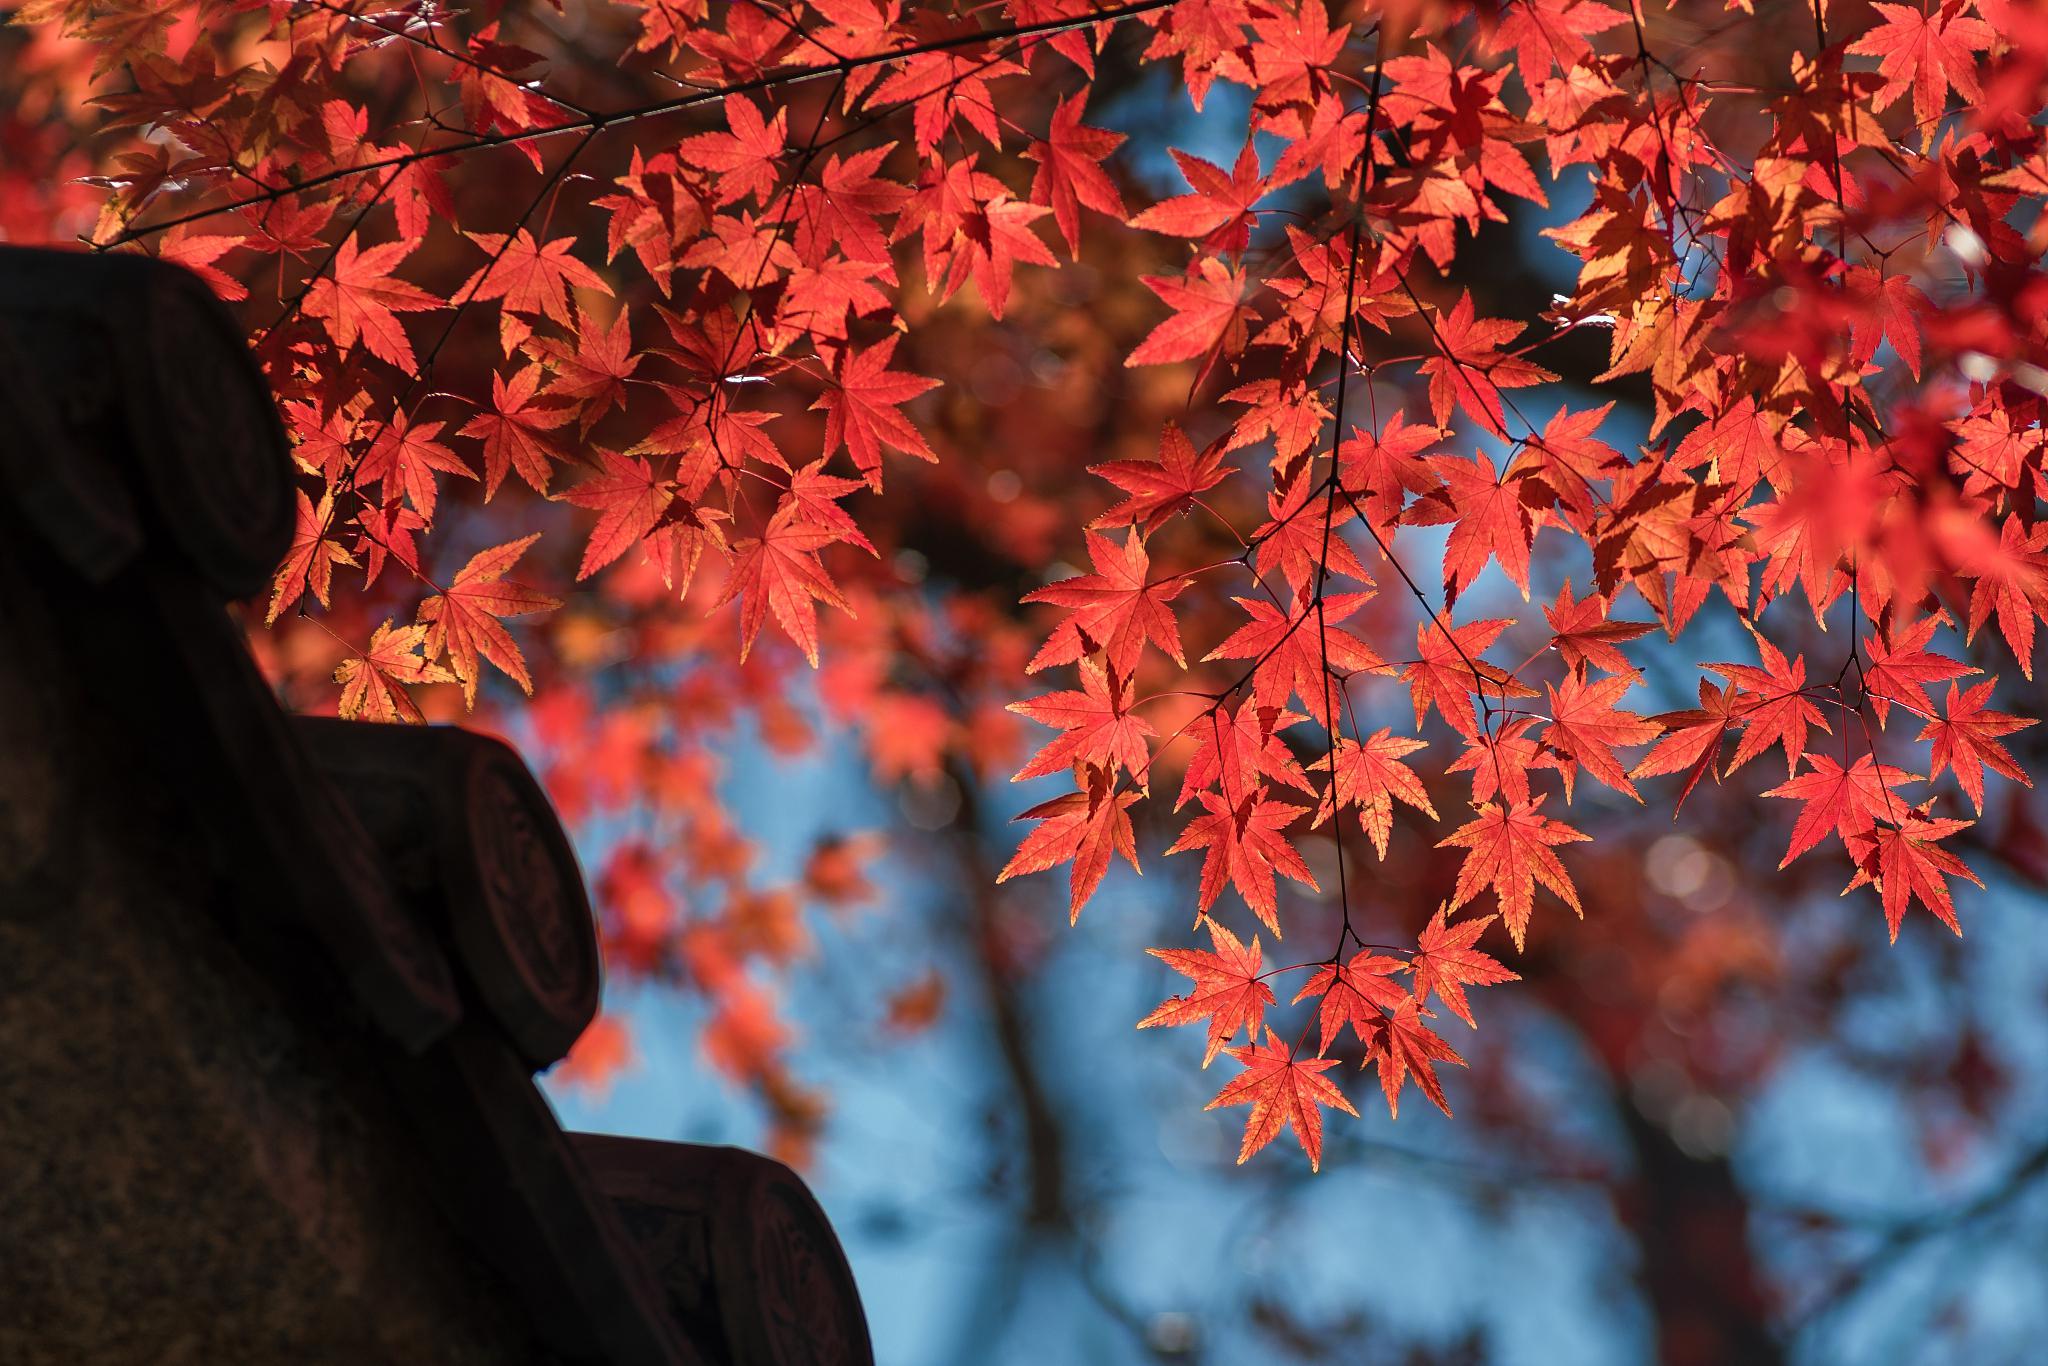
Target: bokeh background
[[1722, 1120]]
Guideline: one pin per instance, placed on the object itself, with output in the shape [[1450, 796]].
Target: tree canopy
[[1330, 475]]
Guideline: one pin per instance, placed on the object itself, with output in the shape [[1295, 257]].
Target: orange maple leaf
[[1354, 993], [1087, 826], [464, 620], [1245, 848], [1510, 849], [309, 564], [373, 682], [780, 572], [1285, 1092], [1446, 963], [1228, 992]]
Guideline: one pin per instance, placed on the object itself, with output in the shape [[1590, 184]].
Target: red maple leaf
[[197, 253], [1890, 310], [846, 206], [861, 408], [1404, 1046], [744, 160], [1500, 760], [2013, 579], [1510, 849], [997, 236], [1966, 740], [1245, 848], [1491, 518], [1900, 668], [1569, 456], [1289, 410], [1469, 369], [1586, 729], [1208, 316], [1906, 863], [1386, 465], [819, 297], [513, 432], [1234, 750], [1115, 609], [1840, 801], [1219, 211], [1774, 708], [404, 454], [1284, 1092], [464, 619], [1070, 173], [1300, 537], [1584, 636], [944, 87], [1159, 488], [360, 298], [1737, 448], [817, 495], [1087, 827], [779, 572], [1354, 993], [1295, 653], [529, 276], [1446, 963], [1228, 992], [1692, 739], [1448, 671], [592, 374], [1096, 726], [629, 500], [749, 250], [1549, 35], [1928, 53], [388, 533], [1370, 775]]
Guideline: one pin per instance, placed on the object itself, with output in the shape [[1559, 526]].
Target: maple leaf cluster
[[1777, 272], [680, 332]]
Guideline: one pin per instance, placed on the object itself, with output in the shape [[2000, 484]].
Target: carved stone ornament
[[273, 989], [746, 1257], [133, 379], [474, 844]]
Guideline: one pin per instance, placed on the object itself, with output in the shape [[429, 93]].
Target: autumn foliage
[[657, 296]]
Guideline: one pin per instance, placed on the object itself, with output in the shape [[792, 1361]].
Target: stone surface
[[272, 992], [198, 1158]]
